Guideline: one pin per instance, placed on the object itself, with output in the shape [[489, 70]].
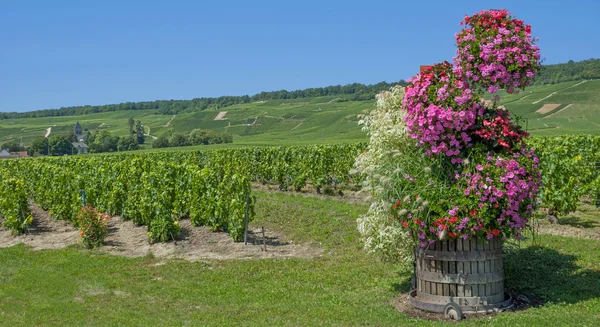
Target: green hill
[[568, 108], [564, 108]]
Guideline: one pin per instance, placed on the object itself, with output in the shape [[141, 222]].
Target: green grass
[[343, 287]]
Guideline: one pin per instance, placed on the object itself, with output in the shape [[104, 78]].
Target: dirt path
[[194, 243], [170, 120], [45, 233], [148, 133]]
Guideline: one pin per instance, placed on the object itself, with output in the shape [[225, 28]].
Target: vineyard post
[[83, 197], [246, 221]]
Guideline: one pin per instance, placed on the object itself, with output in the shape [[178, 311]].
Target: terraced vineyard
[[320, 119]]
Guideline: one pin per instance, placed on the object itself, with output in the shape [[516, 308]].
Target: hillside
[[569, 108], [564, 108]]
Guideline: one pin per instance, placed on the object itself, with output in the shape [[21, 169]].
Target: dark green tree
[[179, 140], [131, 122], [139, 129], [60, 144], [128, 143], [104, 141], [161, 142], [12, 146], [39, 146]]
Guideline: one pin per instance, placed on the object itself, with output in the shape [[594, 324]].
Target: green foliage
[[60, 144], [153, 189], [139, 133], [161, 142], [12, 146], [13, 204], [569, 167], [39, 146], [104, 141], [92, 226], [179, 140], [571, 71], [128, 143]]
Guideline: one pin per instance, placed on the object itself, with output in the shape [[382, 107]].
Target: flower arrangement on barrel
[[445, 165]]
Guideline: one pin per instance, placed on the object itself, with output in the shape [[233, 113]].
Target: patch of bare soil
[[570, 231], [126, 239], [546, 108], [44, 233], [195, 243], [520, 302]]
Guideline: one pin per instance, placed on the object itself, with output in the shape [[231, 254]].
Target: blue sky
[[64, 53]]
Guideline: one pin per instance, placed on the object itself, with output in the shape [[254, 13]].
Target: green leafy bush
[[13, 205]]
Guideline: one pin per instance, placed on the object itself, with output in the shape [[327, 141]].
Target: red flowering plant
[[92, 226], [496, 51], [473, 176]]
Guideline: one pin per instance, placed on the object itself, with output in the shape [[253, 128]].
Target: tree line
[[195, 137], [571, 71], [351, 92]]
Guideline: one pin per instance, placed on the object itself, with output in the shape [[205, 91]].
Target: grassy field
[[343, 287], [320, 119]]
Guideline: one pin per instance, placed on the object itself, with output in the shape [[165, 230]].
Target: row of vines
[[152, 190], [210, 187], [570, 167]]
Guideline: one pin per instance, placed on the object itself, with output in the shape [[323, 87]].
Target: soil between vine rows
[[194, 243]]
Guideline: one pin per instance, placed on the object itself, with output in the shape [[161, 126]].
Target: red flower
[[473, 212], [452, 235], [495, 232], [453, 220], [405, 224], [418, 221]]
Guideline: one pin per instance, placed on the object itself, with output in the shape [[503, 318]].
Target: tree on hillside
[[131, 122], [39, 146], [12, 146], [140, 132], [127, 143], [104, 141], [161, 142], [60, 145], [179, 140]]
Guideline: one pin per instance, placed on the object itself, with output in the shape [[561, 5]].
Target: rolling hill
[[563, 108]]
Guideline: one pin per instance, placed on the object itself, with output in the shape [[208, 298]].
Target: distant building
[[77, 130], [81, 144], [20, 154], [4, 154], [80, 147]]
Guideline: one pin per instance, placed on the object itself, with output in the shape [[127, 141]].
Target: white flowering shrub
[[381, 234]]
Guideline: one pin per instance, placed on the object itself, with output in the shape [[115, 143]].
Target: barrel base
[[507, 303]]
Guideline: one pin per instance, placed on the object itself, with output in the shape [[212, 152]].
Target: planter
[[464, 276]]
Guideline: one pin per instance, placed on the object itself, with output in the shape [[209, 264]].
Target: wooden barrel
[[468, 273]]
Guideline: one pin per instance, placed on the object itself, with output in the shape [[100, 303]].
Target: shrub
[[14, 207], [92, 226]]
